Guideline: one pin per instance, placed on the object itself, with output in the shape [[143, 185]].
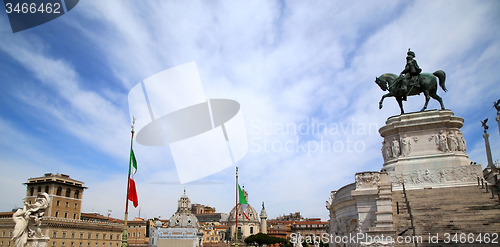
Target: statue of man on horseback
[[410, 73], [411, 82]]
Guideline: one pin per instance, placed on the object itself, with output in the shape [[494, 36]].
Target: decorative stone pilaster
[[366, 195]]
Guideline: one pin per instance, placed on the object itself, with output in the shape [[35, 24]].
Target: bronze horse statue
[[428, 86]]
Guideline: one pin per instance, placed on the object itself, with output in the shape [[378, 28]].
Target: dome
[[250, 212], [158, 223], [183, 218]]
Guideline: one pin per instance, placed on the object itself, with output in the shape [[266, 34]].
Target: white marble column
[[488, 149], [498, 121]]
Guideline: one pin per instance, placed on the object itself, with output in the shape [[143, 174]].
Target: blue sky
[[288, 63]]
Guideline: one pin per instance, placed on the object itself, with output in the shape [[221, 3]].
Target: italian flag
[[243, 201], [132, 192]]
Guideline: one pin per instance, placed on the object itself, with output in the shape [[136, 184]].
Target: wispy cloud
[[285, 62]]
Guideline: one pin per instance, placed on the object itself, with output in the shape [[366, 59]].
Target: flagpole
[[124, 235], [236, 211]]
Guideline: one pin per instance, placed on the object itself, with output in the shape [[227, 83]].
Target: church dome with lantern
[[246, 226], [183, 218]]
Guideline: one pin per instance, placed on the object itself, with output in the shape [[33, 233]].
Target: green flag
[[132, 160], [243, 202]]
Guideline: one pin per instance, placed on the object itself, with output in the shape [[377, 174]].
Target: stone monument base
[[427, 150], [38, 242]]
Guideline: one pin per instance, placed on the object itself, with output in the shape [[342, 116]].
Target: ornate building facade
[[183, 229]]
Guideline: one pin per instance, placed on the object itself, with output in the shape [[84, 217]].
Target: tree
[[261, 239]]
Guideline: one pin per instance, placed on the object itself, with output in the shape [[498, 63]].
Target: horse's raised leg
[[382, 99], [427, 98], [439, 99], [400, 103]]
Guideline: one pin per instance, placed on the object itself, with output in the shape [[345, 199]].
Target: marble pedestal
[[427, 150], [38, 242]]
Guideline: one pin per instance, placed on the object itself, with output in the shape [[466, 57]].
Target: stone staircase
[[467, 209]]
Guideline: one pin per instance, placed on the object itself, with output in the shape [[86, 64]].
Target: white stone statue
[[452, 141], [405, 145], [28, 220], [442, 142], [462, 145], [386, 150], [395, 148]]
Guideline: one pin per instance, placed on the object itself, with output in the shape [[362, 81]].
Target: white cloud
[[285, 63]]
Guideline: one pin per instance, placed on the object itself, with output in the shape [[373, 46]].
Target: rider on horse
[[410, 73]]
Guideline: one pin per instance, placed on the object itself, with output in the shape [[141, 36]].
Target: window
[[47, 189], [80, 244], [251, 230], [68, 192], [72, 235], [53, 244], [59, 191], [97, 236], [32, 191], [88, 244], [77, 194], [62, 244], [67, 204], [57, 213], [39, 190], [58, 203], [65, 214], [104, 236], [76, 205], [72, 244], [139, 234], [90, 235], [118, 236], [81, 234], [133, 235], [74, 216], [64, 235], [128, 234]]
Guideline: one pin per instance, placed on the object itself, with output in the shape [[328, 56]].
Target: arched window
[[47, 189], [32, 190], [77, 193], [59, 191], [39, 189], [68, 192]]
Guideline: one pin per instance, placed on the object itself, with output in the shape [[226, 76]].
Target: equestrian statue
[[411, 82]]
